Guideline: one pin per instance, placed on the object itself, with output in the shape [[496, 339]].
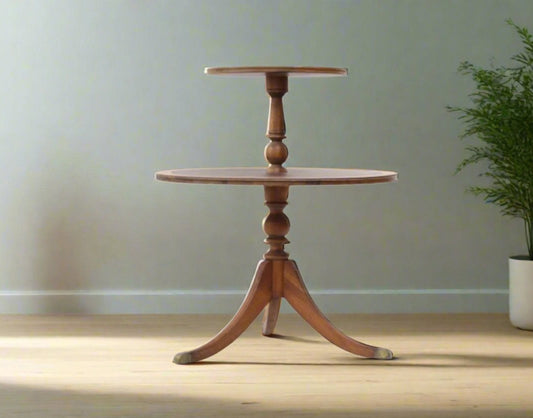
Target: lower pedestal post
[[278, 277]]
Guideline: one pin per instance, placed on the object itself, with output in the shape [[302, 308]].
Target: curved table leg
[[296, 293], [259, 294], [270, 316]]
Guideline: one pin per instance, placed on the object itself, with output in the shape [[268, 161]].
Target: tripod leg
[[270, 316], [259, 294], [296, 293]]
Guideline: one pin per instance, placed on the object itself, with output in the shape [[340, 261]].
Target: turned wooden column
[[276, 151], [276, 224]]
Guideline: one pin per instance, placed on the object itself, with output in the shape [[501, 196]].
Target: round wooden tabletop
[[288, 71], [260, 176]]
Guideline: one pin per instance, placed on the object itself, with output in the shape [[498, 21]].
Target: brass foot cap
[[183, 358], [383, 354]]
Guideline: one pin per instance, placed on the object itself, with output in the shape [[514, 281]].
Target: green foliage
[[501, 118]]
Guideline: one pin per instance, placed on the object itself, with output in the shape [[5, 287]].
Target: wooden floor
[[120, 366]]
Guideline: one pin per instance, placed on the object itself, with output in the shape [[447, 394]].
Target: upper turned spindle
[[276, 151]]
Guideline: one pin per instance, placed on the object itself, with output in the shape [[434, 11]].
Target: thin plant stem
[[529, 236]]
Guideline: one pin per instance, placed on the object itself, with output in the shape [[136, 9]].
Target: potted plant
[[500, 122]]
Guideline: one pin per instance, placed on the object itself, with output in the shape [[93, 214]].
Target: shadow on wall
[[60, 243], [73, 232]]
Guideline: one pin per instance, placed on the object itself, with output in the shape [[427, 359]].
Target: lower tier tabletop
[[260, 176]]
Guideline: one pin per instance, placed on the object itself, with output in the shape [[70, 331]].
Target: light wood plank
[[121, 366]]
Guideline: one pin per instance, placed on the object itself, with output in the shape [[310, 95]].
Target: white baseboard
[[227, 301]]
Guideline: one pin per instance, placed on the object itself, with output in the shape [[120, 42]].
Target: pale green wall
[[95, 96]]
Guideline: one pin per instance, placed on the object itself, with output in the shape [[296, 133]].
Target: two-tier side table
[[277, 276]]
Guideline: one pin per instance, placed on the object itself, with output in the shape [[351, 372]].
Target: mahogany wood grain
[[259, 294], [260, 176], [270, 316], [289, 71], [275, 279], [276, 152], [296, 293], [276, 224]]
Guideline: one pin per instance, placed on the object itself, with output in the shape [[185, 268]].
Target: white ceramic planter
[[521, 292]]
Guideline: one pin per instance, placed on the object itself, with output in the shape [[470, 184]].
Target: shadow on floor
[[411, 361], [33, 402], [296, 339]]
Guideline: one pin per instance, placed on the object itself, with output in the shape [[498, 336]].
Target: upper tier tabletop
[[288, 71], [293, 176]]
